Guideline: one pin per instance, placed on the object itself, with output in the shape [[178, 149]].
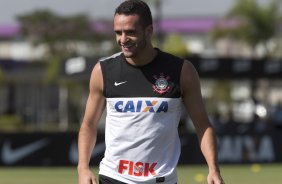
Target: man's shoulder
[[112, 57], [170, 56]]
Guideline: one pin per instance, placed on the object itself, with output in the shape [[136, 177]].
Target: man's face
[[131, 36]]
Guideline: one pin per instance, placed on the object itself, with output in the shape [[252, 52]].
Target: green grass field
[[191, 174]]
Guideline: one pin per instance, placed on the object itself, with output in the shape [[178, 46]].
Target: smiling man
[[143, 89]]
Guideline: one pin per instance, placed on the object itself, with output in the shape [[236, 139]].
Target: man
[[143, 89]]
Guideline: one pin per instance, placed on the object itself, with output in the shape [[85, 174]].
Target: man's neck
[[143, 58]]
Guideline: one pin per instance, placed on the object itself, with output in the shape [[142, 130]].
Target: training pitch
[[190, 174]]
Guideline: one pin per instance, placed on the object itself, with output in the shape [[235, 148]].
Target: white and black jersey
[[143, 112]]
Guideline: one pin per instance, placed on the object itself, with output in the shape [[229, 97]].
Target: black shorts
[[107, 180]]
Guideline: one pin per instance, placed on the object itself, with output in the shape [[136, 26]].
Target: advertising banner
[[60, 149]]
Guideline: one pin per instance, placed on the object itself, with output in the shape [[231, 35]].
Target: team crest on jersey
[[161, 85]]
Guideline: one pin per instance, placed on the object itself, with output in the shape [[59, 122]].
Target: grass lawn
[[234, 174], [191, 174]]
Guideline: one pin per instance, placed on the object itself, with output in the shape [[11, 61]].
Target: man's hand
[[85, 176], [215, 178]]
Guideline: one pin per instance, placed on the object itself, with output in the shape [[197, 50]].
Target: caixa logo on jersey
[[141, 106]]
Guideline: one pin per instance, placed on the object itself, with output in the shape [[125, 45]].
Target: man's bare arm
[[88, 131], [192, 98]]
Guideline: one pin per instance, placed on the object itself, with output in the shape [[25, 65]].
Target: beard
[[132, 50]]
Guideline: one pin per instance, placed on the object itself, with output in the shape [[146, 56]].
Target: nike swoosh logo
[[73, 153], [11, 156], [119, 83]]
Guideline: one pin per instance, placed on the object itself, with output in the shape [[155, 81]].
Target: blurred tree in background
[[174, 44], [256, 25], [62, 37]]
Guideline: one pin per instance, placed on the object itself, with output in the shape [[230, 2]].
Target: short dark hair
[[138, 7]]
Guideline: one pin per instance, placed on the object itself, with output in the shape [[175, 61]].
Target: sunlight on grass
[[191, 174]]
